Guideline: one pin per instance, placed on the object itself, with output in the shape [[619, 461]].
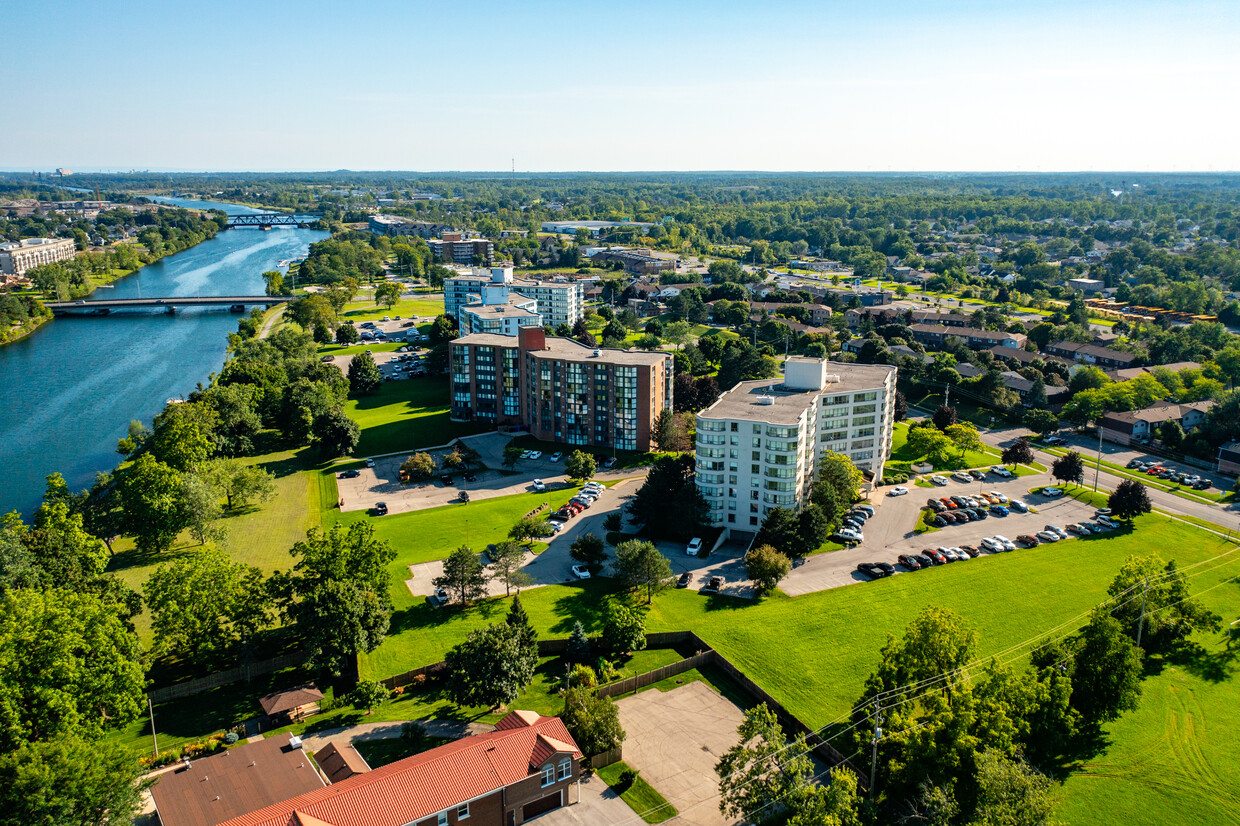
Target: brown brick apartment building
[[560, 390]]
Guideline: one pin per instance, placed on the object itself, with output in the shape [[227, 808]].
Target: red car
[[949, 503], [938, 558]]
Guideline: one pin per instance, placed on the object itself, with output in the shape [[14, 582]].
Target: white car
[[1002, 499], [1000, 470], [849, 535], [370, 463], [584, 501], [1055, 529], [1051, 493], [951, 554], [525, 454], [1103, 519], [1047, 536], [539, 485], [961, 556], [898, 490], [557, 456], [939, 480], [581, 572], [961, 476], [694, 547], [1008, 545], [535, 454], [993, 545], [556, 527]]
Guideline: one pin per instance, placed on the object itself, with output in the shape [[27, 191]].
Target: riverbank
[[16, 334]]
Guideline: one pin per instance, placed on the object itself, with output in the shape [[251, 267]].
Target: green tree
[[1152, 602], [419, 466], [594, 722], [665, 436], [275, 282], [527, 637], [766, 567], [1042, 422], [201, 506], [1069, 467], [624, 629], [935, 445], [387, 294], [512, 455], [1010, 792], [1129, 500], [347, 334], [334, 433], [669, 503], [578, 649], [530, 527], [580, 465], [364, 375], [763, 775], [240, 484], [835, 803], [640, 565], [590, 551], [59, 548], [507, 560], [338, 593], [463, 576], [965, 438], [368, 695], [490, 668], [69, 665], [1106, 678], [69, 781], [204, 604], [179, 442], [150, 493], [1019, 452]]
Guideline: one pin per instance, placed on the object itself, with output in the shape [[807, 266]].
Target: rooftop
[[517, 306], [769, 400], [234, 783], [567, 349], [290, 698]]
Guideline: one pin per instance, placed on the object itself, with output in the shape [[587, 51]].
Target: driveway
[[674, 740], [598, 805]]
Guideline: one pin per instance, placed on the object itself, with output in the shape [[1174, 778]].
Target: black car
[[925, 561], [960, 501], [1203, 484], [938, 521], [979, 513], [853, 523], [683, 581], [978, 475], [876, 570], [350, 474], [909, 561], [469, 477], [446, 479], [963, 516], [935, 505], [380, 509], [712, 586]]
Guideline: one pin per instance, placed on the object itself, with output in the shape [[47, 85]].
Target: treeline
[[17, 313]]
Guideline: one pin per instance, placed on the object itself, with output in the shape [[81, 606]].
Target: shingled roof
[[288, 699], [422, 785]]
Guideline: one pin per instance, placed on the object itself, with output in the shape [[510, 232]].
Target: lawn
[[358, 311], [642, 798], [1091, 462], [406, 415], [902, 457]]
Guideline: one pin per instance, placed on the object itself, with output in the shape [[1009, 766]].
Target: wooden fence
[[651, 677], [232, 675], [597, 761]]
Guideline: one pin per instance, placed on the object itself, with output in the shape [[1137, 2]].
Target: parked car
[[581, 572], [1000, 470], [535, 454], [935, 505], [979, 513], [925, 561], [1018, 506], [684, 580], [939, 521], [1055, 529], [610, 462], [876, 570], [936, 557], [557, 456], [1051, 493], [1203, 484], [380, 509], [849, 535], [1047, 536], [1002, 499], [328, 358], [446, 479], [1028, 539], [949, 554], [909, 561], [971, 550], [712, 585], [1055, 440], [1079, 530], [999, 510], [1008, 545], [898, 490], [1106, 520], [539, 485], [1135, 464], [978, 475], [694, 547], [938, 480], [993, 545], [469, 477], [961, 476], [866, 509], [350, 474]]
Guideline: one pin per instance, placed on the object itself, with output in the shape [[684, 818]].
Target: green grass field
[[406, 415], [642, 798], [358, 311], [902, 457]]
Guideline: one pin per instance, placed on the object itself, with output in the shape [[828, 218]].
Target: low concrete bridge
[[169, 305]]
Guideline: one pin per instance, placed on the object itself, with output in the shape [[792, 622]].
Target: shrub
[[583, 676], [627, 778]]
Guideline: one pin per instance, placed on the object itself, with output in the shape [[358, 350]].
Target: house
[[635, 260], [1132, 372], [233, 784], [291, 704], [528, 766], [1025, 358], [1087, 285], [879, 315], [1229, 459], [1056, 397], [968, 371], [937, 317], [1138, 426], [909, 352], [819, 314], [1091, 354], [935, 335]]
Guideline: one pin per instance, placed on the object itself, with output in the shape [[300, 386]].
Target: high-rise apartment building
[[758, 446], [560, 301], [16, 257], [560, 390], [453, 249]]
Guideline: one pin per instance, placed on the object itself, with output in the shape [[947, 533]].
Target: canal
[[70, 389]]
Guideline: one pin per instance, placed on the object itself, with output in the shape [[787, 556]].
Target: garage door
[[541, 806]]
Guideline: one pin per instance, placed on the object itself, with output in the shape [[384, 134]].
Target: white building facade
[[16, 257], [559, 302], [759, 445]]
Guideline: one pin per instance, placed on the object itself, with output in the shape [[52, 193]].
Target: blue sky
[[622, 85]]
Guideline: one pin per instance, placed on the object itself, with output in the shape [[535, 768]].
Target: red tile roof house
[[524, 768]]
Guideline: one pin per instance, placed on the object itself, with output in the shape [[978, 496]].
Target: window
[[548, 774], [443, 819], [462, 811], [566, 768]]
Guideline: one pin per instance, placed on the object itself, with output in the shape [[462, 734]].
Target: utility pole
[[1141, 624], [1098, 460], [878, 735], [150, 708]]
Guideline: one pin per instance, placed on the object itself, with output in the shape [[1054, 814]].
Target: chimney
[[532, 338]]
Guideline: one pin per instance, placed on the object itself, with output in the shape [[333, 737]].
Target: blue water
[[69, 390]]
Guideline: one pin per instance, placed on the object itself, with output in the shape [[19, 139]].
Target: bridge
[[266, 220], [169, 305]]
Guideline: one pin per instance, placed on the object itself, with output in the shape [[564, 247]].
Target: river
[[71, 388]]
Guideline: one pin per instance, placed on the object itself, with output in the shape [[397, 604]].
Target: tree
[[593, 721], [665, 431], [590, 551], [201, 506], [240, 484], [1018, 452], [944, 416], [512, 455], [1152, 603], [932, 443], [936, 642], [463, 576], [69, 781], [275, 282], [669, 503], [57, 548], [506, 562], [1042, 422], [179, 442], [490, 668], [578, 649], [443, 329], [367, 694], [334, 434], [520, 620], [150, 496], [1130, 499], [1010, 792], [530, 527], [347, 334], [1171, 434], [834, 804], [364, 375], [419, 466], [766, 567], [387, 294], [899, 409], [624, 629], [641, 566], [1106, 677], [1069, 467], [580, 465], [763, 775], [965, 437], [337, 594], [69, 665]]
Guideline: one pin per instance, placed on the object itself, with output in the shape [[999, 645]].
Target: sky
[[864, 85]]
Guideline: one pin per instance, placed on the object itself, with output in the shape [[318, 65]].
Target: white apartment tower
[[758, 446]]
